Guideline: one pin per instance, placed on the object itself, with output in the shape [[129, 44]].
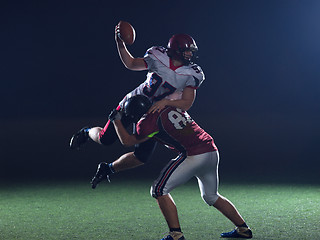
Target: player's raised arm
[[130, 62]]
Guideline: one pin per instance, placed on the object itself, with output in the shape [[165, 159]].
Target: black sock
[[175, 229], [243, 225]]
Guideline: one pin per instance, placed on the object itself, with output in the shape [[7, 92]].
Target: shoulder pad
[[196, 71], [156, 50]]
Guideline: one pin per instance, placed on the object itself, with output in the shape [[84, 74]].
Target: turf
[[125, 210]]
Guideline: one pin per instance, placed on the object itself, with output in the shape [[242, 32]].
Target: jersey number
[[178, 119], [155, 83]]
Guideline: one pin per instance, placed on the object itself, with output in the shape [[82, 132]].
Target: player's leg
[[174, 174], [124, 162], [170, 213], [129, 160], [141, 155], [227, 208], [95, 134], [105, 136], [177, 172], [207, 176], [208, 183]]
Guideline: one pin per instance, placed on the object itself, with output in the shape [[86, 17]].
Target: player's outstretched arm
[[130, 62]]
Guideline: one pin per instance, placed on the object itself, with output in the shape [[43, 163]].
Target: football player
[[198, 157], [172, 80]]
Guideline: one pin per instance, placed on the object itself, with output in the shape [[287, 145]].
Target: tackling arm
[[185, 103], [125, 138]]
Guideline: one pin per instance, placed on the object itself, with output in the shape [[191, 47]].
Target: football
[[126, 32]]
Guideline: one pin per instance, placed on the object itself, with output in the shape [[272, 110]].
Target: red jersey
[[175, 129]]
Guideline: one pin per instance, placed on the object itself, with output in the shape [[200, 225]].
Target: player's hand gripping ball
[[126, 32]]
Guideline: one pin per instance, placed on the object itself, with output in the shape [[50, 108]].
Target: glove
[[115, 115]]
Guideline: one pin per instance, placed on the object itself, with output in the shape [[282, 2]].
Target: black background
[[60, 71]]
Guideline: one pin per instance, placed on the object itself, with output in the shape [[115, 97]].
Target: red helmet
[[178, 44]]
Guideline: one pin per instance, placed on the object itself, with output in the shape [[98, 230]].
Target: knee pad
[[210, 199]]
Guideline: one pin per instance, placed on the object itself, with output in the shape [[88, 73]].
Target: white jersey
[[165, 80]]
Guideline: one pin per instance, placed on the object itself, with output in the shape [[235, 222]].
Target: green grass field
[[125, 210]]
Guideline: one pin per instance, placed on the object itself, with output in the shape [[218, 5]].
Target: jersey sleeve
[[147, 126], [154, 54], [149, 58], [196, 77]]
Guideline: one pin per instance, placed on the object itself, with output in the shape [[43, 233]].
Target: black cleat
[[79, 138], [238, 232], [174, 235], [101, 174]]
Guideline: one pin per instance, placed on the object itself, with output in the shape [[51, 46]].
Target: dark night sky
[[261, 60]]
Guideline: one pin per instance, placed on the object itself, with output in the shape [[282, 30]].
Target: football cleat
[[79, 138], [238, 232], [174, 236], [101, 174]]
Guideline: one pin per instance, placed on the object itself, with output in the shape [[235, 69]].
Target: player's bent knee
[[143, 157], [157, 193], [210, 199], [153, 193], [143, 151]]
